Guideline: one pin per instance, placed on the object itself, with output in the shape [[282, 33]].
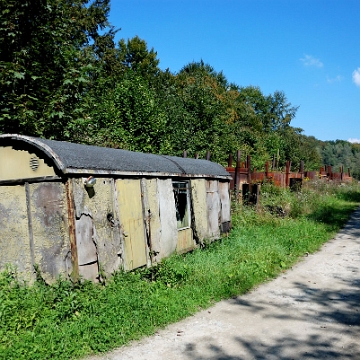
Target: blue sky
[[309, 49]]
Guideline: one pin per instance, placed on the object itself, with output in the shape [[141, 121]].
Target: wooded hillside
[[63, 77]]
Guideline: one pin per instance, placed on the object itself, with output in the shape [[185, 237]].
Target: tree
[[135, 55], [201, 127], [47, 62], [128, 117]]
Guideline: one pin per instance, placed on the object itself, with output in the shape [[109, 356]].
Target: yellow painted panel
[[198, 194], [14, 234], [185, 241], [15, 164], [132, 221]]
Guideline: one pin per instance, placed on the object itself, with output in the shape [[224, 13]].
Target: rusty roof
[[71, 158]]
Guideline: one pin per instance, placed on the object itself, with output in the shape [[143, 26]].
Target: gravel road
[[310, 312]]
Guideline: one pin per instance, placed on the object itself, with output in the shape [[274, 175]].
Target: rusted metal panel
[[21, 164], [240, 176], [132, 222], [185, 241], [97, 206], [311, 175], [14, 232], [199, 208], [48, 216], [213, 207], [71, 229]]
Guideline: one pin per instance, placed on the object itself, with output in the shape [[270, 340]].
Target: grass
[[66, 321]]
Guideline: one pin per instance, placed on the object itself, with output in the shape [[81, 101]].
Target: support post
[[236, 177], [249, 169]]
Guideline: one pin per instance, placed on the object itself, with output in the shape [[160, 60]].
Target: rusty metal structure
[[242, 174], [83, 211]]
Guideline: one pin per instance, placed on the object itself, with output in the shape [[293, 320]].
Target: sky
[[309, 49]]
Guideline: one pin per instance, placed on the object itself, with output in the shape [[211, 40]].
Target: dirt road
[[310, 312]]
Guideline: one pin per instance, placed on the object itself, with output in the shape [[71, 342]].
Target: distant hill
[[341, 153]]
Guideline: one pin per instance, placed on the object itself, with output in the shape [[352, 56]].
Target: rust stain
[[72, 233]]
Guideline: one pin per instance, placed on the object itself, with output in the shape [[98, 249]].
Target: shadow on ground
[[330, 309]]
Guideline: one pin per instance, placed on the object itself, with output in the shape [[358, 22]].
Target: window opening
[[182, 203]]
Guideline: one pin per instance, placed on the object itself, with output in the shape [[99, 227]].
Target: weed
[[66, 320]]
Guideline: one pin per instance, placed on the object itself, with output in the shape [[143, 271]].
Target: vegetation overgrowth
[[66, 320], [64, 77]]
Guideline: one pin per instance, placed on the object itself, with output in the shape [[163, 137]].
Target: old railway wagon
[[76, 210]]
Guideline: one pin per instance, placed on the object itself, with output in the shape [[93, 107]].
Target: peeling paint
[[167, 217], [213, 207], [48, 211], [200, 217], [14, 236], [100, 206], [19, 164]]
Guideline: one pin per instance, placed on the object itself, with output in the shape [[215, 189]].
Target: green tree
[[135, 55], [128, 117], [47, 62]]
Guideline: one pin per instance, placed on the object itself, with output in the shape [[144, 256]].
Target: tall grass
[[65, 320]]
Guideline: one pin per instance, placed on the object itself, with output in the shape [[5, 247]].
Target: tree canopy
[[62, 76]]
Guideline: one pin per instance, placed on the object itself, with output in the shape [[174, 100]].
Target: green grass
[[65, 320]]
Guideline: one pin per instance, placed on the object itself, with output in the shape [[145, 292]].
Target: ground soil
[[312, 311]]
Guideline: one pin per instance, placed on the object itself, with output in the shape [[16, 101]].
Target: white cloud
[[354, 141], [335, 79], [356, 76], [309, 60]]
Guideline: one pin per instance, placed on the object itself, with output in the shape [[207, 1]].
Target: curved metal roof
[[70, 158]]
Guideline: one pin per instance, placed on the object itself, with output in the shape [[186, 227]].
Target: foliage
[[68, 320], [135, 55], [128, 117], [47, 58], [343, 154], [63, 77]]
